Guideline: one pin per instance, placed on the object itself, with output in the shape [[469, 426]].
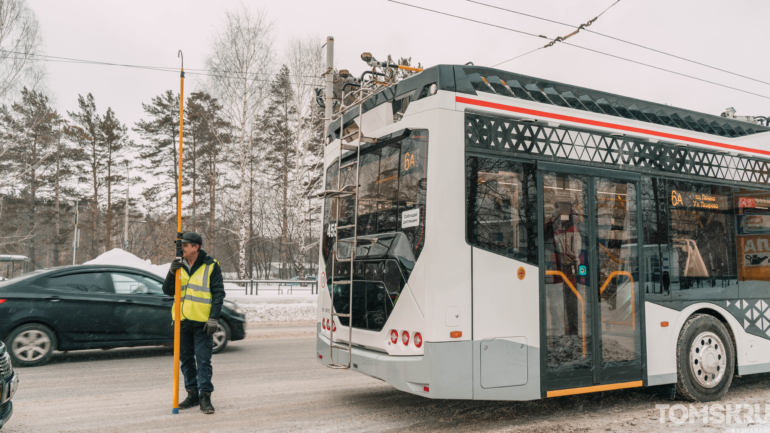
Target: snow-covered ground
[[268, 306], [271, 307]]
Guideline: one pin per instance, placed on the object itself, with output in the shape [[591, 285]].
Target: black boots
[[191, 400], [206, 406]]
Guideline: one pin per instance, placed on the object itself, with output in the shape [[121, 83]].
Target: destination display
[[697, 200]]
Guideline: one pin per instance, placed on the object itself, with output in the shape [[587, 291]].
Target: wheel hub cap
[[708, 359], [219, 336], [31, 345]]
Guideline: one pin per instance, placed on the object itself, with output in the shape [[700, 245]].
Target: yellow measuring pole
[[178, 288]]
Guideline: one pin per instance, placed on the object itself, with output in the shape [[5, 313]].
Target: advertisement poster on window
[[754, 224], [754, 258]]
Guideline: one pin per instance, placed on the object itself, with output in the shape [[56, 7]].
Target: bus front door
[[591, 317]]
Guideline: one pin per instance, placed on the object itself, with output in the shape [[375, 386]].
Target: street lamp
[[76, 233]]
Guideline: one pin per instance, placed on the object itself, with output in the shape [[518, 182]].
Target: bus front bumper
[[445, 370]]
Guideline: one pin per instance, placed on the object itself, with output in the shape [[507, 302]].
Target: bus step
[[350, 164], [337, 346], [341, 314], [338, 366], [349, 226], [347, 241], [349, 147]]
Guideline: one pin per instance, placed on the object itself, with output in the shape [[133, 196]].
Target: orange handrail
[[633, 292], [580, 298]]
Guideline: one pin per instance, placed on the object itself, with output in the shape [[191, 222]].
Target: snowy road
[[270, 382]]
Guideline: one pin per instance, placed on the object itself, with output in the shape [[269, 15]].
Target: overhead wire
[[617, 39], [583, 48], [43, 57]]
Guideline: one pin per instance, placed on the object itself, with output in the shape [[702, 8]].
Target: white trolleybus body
[[518, 239]]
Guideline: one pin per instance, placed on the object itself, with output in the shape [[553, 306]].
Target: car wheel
[[221, 337], [705, 359], [31, 345]]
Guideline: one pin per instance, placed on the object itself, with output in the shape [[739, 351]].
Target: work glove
[[175, 265], [211, 326]]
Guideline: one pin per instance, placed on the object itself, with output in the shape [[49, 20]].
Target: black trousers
[[195, 356]]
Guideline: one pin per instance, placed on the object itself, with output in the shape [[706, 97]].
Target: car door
[[143, 311], [80, 305]]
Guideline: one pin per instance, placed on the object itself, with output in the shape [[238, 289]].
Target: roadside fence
[[251, 287]]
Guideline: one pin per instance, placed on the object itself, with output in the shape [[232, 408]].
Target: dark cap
[[193, 238]]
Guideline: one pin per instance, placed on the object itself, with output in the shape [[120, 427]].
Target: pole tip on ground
[[175, 411]]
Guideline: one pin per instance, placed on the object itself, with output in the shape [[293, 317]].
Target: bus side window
[[501, 204], [657, 258], [752, 221], [702, 241]]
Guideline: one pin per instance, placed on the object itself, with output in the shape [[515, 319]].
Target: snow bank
[[118, 257]]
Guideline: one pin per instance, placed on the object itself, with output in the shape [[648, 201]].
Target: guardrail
[[253, 285]]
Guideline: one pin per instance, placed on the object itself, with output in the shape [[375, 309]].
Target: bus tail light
[[393, 336], [334, 326], [2, 300], [417, 339], [405, 338]]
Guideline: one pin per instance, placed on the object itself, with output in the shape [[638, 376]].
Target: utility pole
[[329, 99], [125, 228], [76, 234]]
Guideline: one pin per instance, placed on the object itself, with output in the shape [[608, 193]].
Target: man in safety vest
[[203, 293]]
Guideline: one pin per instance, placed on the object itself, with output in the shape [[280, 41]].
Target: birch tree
[[20, 41], [241, 61], [306, 62]]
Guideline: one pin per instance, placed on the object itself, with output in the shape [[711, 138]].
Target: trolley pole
[[178, 288], [329, 99]]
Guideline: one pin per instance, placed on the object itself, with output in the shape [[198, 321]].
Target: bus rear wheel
[[705, 359]]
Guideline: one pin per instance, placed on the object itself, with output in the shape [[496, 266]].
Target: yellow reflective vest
[[196, 293]]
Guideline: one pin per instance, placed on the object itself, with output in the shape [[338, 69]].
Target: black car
[[92, 307], [9, 381]]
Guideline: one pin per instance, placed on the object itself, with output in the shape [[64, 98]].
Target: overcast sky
[[730, 35]]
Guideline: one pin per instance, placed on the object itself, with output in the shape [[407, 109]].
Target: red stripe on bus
[[514, 109]]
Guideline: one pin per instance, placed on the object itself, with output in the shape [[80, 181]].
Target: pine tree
[[29, 125], [281, 152], [116, 143], [87, 135], [209, 134], [162, 151]]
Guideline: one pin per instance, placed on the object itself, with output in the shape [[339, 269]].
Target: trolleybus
[[494, 236]]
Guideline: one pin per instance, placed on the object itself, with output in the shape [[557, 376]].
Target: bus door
[[591, 305]]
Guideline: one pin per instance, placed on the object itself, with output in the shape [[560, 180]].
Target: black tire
[[704, 367], [31, 345], [219, 343]]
